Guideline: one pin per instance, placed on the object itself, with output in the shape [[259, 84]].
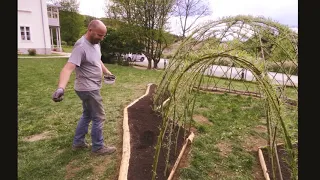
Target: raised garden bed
[[265, 161], [141, 128]]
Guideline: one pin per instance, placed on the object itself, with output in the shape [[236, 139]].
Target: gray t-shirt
[[87, 58]]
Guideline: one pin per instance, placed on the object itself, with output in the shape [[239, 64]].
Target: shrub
[[121, 62], [70, 43], [224, 62], [63, 43], [109, 58], [169, 56], [32, 52], [286, 67]]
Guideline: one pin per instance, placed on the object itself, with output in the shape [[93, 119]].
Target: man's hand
[[110, 77], [58, 95]]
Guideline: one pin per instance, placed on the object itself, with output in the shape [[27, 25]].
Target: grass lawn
[[46, 128], [229, 131], [67, 48], [38, 55], [52, 157]]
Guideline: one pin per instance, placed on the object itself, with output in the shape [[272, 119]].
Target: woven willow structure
[[245, 55]]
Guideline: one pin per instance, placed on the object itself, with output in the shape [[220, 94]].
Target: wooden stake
[[123, 173], [189, 139], [263, 165]]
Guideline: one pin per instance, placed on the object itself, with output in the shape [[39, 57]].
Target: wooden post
[[263, 165], [189, 139], [60, 48]]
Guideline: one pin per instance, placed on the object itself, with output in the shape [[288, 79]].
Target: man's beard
[[96, 41]]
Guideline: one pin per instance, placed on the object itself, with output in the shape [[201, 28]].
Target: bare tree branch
[[185, 9]]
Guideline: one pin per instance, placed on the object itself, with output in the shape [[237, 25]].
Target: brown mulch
[[144, 127]]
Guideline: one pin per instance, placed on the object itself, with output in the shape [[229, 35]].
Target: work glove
[[110, 77], [58, 95]]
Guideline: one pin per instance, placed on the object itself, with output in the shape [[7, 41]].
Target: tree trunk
[[155, 65], [149, 63]]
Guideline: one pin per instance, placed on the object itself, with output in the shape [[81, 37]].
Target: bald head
[[94, 24], [96, 31]]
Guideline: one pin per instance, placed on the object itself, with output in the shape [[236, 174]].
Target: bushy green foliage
[[276, 46], [32, 52], [64, 43], [120, 41], [71, 26], [69, 5], [288, 67]]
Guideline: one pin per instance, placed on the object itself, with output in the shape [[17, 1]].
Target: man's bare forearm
[[65, 75], [104, 69]]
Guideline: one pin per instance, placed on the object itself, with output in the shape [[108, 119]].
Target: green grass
[[230, 125], [67, 48], [233, 118], [52, 158], [38, 55]]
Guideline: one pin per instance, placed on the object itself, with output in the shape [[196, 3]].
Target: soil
[[201, 119], [37, 137], [144, 127], [285, 168]]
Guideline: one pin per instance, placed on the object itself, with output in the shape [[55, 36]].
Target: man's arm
[[63, 80], [65, 74], [104, 69]]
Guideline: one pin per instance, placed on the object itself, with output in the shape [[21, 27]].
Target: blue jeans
[[92, 110]]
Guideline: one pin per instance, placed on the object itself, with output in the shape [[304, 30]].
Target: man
[[85, 59]]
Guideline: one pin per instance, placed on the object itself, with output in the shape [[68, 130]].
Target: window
[[55, 13], [52, 12], [25, 33], [49, 14]]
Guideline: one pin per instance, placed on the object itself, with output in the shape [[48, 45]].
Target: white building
[[36, 22], [54, 26]]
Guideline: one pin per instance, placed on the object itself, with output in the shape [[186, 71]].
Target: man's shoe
[[105, 150], [80, 146]]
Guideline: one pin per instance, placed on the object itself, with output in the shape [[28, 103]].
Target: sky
[[283, 11]]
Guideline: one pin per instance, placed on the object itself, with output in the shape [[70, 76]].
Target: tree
[[111, 45], [67, 5], [72, 25], [147, 19], [88, 19], [119, 42], [71, 22], [186, 9]]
